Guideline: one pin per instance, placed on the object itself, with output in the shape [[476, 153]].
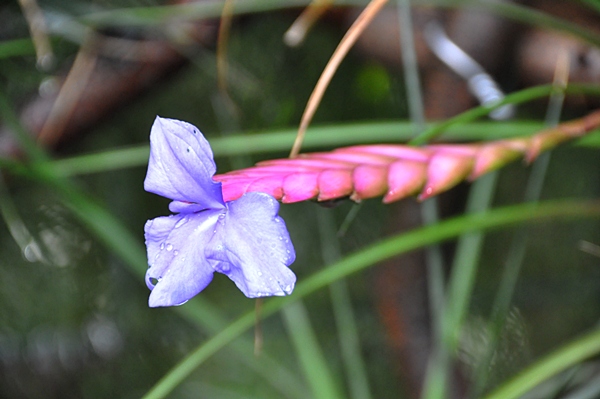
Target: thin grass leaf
[[310, 355], [16, 48], [347, 329], [459, 128], [531, 16], [561, 359], [516, 252], [393, 246]]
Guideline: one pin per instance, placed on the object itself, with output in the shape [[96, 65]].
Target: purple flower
[[243, 239]]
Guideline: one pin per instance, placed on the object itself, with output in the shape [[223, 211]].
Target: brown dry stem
[[363, 20]]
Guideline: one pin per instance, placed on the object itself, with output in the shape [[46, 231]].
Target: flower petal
[[181, 164], [185, 207], [253, 248], [178, 268]]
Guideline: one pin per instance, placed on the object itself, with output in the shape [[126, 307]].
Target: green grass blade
[[538, 18], [569, 355], [460, 128], [347, 329], [16, 48], [309, 353], [393, 246], [464, 268], [141, 16], [516, 252]]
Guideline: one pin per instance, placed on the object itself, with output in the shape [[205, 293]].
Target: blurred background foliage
[[74, 321]]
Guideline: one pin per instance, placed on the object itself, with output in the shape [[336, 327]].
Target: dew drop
[[259, 273], [288, 289], [175, 253], [169, 247], [189, 149], [162, 246], [280, 238]]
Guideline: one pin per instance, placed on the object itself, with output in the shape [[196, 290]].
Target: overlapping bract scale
[[391, 170]]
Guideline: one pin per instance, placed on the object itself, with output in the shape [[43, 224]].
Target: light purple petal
[[181, 164], [252, 246], [178, 267], [185, 207]]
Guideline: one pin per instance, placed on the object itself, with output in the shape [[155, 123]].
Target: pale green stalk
[[312, 360], [347, 329]]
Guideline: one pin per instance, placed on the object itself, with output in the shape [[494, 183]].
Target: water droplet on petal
[[162, 246], [176, 252], [280, 238], [259, 273], [169, 247]]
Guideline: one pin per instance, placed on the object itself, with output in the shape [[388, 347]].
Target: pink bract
[[393, 171]]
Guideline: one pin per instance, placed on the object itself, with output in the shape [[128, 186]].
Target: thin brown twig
[[222, 40], [296, 33], [340, 52], [68, 96], [38, 29], [561, 71]]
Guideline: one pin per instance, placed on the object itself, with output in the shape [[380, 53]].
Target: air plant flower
[[228, 223], [244, 239]]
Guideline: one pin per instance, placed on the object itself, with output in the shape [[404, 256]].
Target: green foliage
[[76, 217]]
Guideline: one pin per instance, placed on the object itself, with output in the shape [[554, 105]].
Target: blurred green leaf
[[393, 246], [16, 48]]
